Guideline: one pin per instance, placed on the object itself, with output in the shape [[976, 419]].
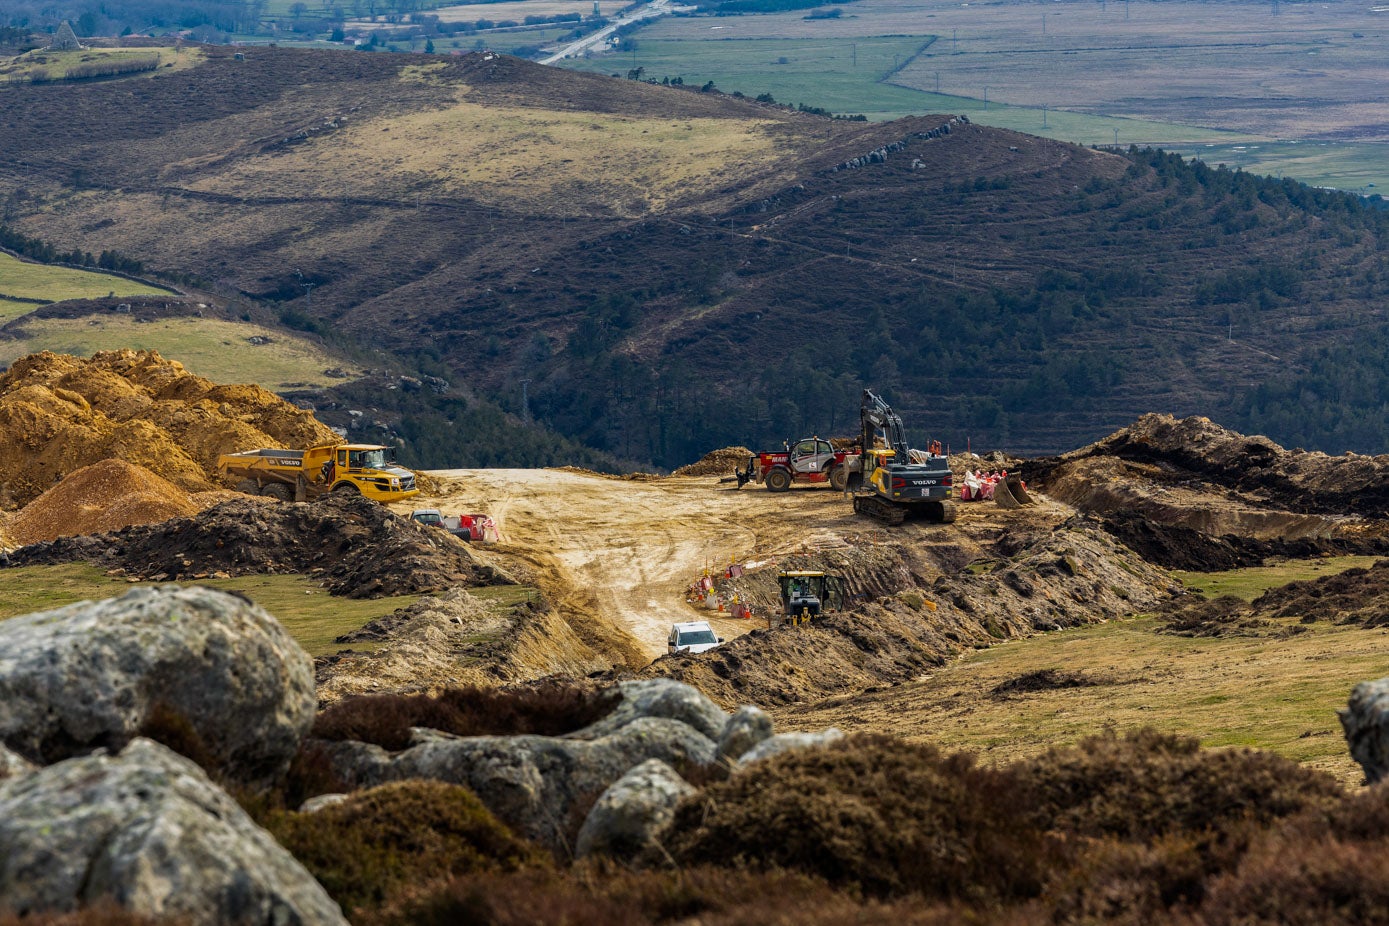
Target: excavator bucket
[[1003, 495], [1018, 489]]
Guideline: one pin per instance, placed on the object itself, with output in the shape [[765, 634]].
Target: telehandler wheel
[[839, 478], [346, 488], [248, 487], [778, 480], [278, 491]]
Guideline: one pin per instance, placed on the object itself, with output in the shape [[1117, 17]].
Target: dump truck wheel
[[278, 491], [248, 486], [839, 478], [346, 488], [778, 480]]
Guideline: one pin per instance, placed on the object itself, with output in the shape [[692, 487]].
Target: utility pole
[[954, 40], [1044, 115], [1116, 138]]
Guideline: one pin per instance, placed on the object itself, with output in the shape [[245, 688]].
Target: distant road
[[649, 11]]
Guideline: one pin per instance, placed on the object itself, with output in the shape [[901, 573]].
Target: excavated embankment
[[1190, 494], [1035, 578], [357, 547]]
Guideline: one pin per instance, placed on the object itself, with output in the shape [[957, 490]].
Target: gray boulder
[[1366, 724], [532, 783], [12, 764], [633, 811], [91, 675], [784, 742], [147, 830], [660, 697], [745, 729]]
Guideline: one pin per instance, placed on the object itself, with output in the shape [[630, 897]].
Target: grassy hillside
[[222, 351], [24, 284], [671, 270]]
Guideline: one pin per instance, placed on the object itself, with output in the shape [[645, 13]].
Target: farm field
[[216, 349], [24, 285], [1178, 75], [56, 64]]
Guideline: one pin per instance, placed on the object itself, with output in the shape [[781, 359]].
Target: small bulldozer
[[805, 594]]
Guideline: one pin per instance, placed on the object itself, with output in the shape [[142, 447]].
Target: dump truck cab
[[368, 469]]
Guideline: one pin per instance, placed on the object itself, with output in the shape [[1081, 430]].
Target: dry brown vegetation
[[545, 708]]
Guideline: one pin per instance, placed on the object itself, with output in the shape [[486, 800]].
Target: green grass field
[[312, 616], [850, 76], [1278, 691], [216, 349], [22, 280], [1252, 582]]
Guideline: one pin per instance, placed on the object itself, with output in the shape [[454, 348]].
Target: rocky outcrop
[[12, 764], [1366, 724], [786, 742], [92, 675], [534, 784], [629, 815], [747, 727], [147, 830], [660, 697]]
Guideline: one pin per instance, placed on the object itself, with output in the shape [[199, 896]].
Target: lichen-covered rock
[[660, 697], [1366, 724], [747, 727], [782, 742], [531, 783], [633, 811], [12, 764], [147, 830], [92, 675]]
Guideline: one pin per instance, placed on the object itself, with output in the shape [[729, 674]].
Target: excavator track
[[942, 511], [879, 510]]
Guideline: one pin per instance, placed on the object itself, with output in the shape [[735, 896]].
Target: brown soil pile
[[1040, 580], [1260, 471], [717, 463], [61, 413], [105, 496], [357, 547], [1173, 546]]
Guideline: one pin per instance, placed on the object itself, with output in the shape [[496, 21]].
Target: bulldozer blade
[[1003, 496], [731, 479], [1018, 490]]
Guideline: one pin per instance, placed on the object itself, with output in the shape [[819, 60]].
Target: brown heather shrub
[[381, 841], [1147, 784], [1326, 866], [548, 709], [872, 814], [709, 896]]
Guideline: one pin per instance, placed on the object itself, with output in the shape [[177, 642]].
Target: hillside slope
[[674, 270]]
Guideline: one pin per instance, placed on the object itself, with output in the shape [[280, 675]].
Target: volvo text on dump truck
[[299, 475]]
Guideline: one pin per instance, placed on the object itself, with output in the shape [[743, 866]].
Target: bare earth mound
[[1190, 494], [356, 546], [716, 462], [61, 413], [105, 496]]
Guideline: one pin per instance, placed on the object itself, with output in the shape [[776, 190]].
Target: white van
[[692, 637]]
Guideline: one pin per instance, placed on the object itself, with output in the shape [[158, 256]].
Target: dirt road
[[625, 551]]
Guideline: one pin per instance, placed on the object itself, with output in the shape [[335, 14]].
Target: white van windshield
[[697, 637]]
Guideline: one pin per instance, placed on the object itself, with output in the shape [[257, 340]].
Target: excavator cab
[[806, 593]]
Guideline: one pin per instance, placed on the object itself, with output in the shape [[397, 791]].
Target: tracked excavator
[[891, 482]]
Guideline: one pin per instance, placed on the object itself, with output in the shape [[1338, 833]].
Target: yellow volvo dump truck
[[299, 475]]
